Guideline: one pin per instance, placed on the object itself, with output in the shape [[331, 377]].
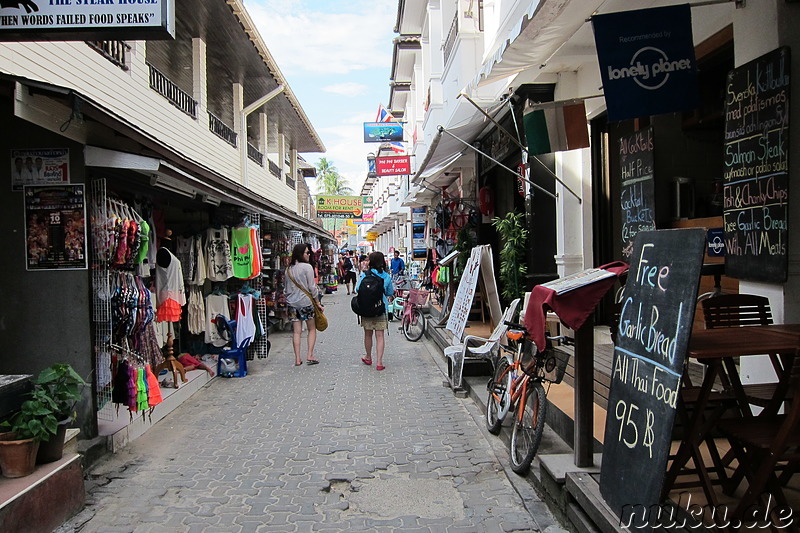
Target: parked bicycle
[[517, 386], [408, 309]]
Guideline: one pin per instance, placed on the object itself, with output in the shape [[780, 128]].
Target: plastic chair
[[231, 362], [476, 348]]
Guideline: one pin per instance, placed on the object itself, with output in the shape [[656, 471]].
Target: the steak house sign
[[59, 20]]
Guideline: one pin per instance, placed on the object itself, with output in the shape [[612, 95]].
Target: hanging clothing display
[[245, 324], [218, 254], [184, 251], [216, 304], [196, 311], [170, 296], [242, 255], [199, 275]]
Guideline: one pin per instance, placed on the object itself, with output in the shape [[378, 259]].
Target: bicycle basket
[[417, 297], [555, 365]]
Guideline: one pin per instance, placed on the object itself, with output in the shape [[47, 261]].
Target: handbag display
[[320, 320]]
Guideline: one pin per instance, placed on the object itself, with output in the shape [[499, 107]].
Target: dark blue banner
[[647, 61]]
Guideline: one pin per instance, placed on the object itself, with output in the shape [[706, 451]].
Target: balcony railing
[[290, 181], [177, 96], [450, 41], [220, 129], [255, 155], [274, 169], [114, 51]]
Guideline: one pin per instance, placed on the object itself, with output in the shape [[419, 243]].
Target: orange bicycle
[[517, 386]]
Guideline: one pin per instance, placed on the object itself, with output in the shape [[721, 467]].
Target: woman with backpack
[[373, 286], [299, 289]]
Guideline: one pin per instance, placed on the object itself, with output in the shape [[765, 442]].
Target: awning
[[540, 32]]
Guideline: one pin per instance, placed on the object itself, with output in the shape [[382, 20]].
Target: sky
[[336, 56]]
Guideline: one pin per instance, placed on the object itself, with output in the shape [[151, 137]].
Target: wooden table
[[717, 348]]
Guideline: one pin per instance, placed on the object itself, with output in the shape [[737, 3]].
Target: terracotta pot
[[17, 457], [53, 449]]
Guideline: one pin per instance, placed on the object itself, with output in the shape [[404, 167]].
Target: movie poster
[[55, 227]]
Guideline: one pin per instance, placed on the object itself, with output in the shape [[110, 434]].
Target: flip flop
[[312, 362], [366, 361], [298, 364], [379, 367]]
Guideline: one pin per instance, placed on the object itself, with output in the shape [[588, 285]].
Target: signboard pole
[[584, 395]]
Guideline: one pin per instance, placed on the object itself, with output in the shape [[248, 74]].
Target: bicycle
[[517, 386], [412, 321]]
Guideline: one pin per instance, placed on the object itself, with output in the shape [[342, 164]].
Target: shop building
[[196, 134], [464, 98]]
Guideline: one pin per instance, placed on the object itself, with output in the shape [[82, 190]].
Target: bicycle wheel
[[414, 325], [527, 433], [499, 397]]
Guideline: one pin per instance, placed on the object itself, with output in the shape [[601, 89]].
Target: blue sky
[[336, 56]]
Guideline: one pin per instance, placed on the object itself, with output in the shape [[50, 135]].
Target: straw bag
[[320, 320]]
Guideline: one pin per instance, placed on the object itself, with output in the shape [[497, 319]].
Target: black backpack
[[348, 265], [369, 300]]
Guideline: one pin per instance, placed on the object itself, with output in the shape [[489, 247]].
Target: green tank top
[[242, 253]]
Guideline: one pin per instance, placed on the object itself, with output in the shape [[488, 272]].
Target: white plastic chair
[[476, 348]]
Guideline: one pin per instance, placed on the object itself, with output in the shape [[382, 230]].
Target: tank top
[[245, 325], [242, 256], [218, 254]]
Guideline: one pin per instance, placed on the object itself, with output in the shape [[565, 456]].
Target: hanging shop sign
[[637, 191], [419, 215], [367, 218], [756, 177], [380, 132], [393, 165], [372, 236], [49, 166], [340, 206], [647, 61], [79, 20], [55, 227]]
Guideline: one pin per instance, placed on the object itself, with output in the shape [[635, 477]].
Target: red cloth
[[573, 307]]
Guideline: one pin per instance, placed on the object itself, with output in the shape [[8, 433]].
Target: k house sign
[[79, 20], [647, 61]]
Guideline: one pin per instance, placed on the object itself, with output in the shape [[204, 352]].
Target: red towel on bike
[[572, 308]]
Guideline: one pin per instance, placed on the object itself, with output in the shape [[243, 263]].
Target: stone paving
[[337, 446]]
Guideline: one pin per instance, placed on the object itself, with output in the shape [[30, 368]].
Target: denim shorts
[[302, 314]]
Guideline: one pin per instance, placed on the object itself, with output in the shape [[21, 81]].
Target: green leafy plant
[[465, 242], [36, 418], [512, 255], [63, 385]]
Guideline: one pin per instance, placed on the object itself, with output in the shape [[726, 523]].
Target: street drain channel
[[392, 497]]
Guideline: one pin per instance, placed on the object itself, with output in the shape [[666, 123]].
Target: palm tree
[[329, 181]]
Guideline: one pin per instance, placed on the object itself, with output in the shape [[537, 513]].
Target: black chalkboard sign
[[652, 337], [637, 191], [756, 180]]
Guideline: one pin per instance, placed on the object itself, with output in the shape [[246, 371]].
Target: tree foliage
[[329, 181], [514, 237]]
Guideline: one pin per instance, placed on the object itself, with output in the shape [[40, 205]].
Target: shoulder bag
[[320, 320]]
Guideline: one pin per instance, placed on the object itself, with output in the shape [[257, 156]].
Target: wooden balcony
[[221, 130], [176, 96]]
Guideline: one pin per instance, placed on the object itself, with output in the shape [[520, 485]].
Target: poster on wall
[[47, 166], [55, 227]]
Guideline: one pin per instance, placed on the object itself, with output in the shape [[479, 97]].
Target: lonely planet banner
[[647, 61]]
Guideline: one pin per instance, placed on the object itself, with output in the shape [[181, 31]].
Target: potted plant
[[63, 386], [512, 255], [34, 422]]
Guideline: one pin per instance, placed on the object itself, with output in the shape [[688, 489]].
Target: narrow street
[[334, 447]]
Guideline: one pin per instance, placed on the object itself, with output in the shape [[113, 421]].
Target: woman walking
[[299, 290], [379, 324]]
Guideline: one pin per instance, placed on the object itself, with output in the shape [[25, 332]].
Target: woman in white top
[[301, 309]]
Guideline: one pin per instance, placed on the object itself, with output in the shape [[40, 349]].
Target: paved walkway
[[334, 447]]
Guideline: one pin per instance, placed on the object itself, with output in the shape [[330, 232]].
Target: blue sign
[[716, 242], [647, 61], [380, 132]]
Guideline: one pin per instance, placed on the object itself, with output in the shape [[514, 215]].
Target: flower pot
[[17, 457], [53, 449]]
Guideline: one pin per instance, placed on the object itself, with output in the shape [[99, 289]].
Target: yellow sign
[[372, 236], [350, 222]]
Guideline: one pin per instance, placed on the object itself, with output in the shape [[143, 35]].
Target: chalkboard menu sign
[[652, 337], [637, 196], [756, 180]]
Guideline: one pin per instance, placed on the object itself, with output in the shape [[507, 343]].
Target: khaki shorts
[[376, 322]]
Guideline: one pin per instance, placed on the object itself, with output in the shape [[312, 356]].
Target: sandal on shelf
[[366, 361]]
